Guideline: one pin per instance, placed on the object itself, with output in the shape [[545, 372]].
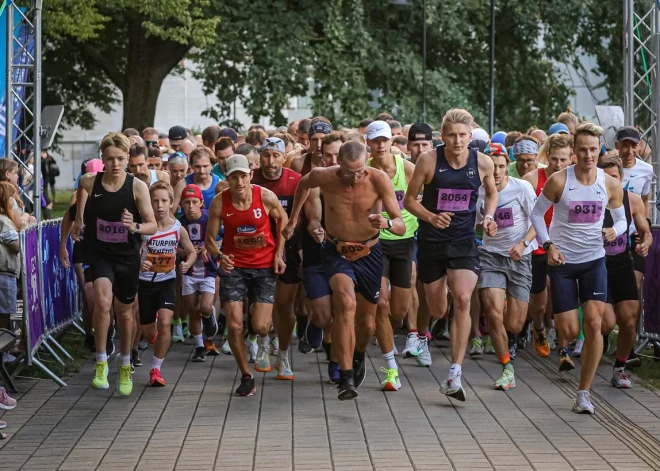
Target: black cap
[[229, 132], [478, 144], [628, 133], [420, 132], [177, 133]]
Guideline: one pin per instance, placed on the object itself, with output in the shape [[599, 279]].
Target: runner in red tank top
[[558, 149], [251, 259]]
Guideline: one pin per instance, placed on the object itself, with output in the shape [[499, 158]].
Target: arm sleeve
[[619, 217], [540, 208]]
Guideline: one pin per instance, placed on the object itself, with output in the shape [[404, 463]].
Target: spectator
[[10, 263], [50, 171]]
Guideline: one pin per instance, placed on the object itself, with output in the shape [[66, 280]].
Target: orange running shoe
[[210, 348], [541, 343], [155, 379], [565, 361]]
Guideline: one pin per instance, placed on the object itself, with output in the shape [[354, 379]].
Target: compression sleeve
[[540, 208], [619, 217]]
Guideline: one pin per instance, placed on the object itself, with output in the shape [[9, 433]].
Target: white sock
[[264, 341], [199, 342], [156, 362], [101, 356], [455, 369], [389, 359], [125, 359]]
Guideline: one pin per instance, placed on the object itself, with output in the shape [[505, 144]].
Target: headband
[[320, 127], [525, 147]]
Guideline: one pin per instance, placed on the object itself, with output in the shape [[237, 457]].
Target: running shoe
[[513, 347], [304, 346], [346, 389], [155, 379], [424, 357], [577, 350], [413, 349], [452, 387], [391, 382], [565, 361], [200, 355], [185, 331], [262, 363], [507, 380], [301, 326], [327, 348], [620, 379], [282, 366], [333, 372], [210, 325], [211, 349], [252, 347], [124, 381], [477, 347], [582, 404], [314, 335], [541, 343], [274, 345], [100, 380], [488, 345], [633, 359], [143, 344], [177, 334], [359, 368], [226, 349], [135, 358], [6, 402], [396, 351], [606, 344], [247, 386], [551, 335]]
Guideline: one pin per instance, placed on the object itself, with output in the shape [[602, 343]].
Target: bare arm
[[85, 186], [222, 185], [645, 201], [641, 223], [309, 181], [486, 169], [143, 203], [163, 176], [213, 228], [277, 212], [422, 175]]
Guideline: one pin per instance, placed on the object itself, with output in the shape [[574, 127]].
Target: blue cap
[[558, 128], [498, 137]]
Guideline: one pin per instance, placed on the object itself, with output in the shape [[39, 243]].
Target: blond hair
[[567, 117], [115, 139], [457, 116], [161, 185], [588, 129], [201, 151], [552, 143]]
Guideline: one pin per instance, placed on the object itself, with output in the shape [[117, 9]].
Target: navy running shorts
[[573, 284], [315, 282]]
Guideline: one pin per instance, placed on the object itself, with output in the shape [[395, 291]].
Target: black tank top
[[311, 249], [452, 190], [103, 229], [622, 243]]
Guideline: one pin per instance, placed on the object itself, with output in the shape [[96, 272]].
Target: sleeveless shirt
[[160, 250]]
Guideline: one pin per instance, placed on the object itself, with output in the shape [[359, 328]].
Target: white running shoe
[[582, 404], [577, 351], [551, 335], [413, 347], [274, 345], [226, 349], [252, 348], [620, 379], [424, 357], [283, 367], [452, 387]]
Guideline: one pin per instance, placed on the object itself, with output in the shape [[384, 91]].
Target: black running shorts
[[152, 297], [123, 273], [397, 261], [434, 259]]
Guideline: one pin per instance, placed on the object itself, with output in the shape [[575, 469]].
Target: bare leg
[[343, 325], [593, 342], [461, 283]]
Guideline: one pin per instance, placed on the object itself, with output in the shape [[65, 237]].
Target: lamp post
[[491, 105]]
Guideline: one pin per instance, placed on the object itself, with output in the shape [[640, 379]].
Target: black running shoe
[[327, 348], [304, 346], [314, 335], [247, 387], [301, 325], [346, 389], [200, 354], [135, 358], [359, 368], [210, 325]]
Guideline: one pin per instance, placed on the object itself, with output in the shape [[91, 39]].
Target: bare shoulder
[[268, 196], [87, 181], [532, 177], [427, 160], [613, 184], [139, 185], [485, 162], [557, 180], [408, 167], [297, 163]]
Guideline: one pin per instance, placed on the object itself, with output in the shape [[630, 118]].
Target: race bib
[[250, 242], [352, 251], [111, 232], [504, 217], [161, 262], [615, 247], [453, 200], [584, 212], [400, 194]]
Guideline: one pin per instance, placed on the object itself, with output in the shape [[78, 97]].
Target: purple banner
[[32, 299], [60, 300], [651, 284]]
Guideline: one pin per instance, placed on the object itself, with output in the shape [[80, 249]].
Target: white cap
[[379, 129], [479, 134]]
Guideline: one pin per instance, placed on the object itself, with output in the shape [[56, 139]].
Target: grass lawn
[[62, 198]]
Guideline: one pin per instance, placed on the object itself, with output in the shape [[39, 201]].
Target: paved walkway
[[195, 423]]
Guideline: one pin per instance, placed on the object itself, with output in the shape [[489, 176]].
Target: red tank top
[[248, 235], [548, 215]]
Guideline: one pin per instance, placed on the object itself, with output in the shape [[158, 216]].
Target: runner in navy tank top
[[117, 211], [447, 250]]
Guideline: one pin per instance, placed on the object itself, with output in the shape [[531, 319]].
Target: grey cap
[[274, 143], [237, 163]]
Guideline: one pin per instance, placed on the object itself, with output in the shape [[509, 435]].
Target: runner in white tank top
[[576, 257]]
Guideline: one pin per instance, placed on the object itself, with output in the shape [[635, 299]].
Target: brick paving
[[196, 424]]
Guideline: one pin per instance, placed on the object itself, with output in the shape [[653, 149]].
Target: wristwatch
[[489, 216], [218, 257], [525, 242], [389, 224], [547, 244], [137, 229]]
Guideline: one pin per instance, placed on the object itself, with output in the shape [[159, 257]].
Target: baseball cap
[[420, 132], [320, 127], [94, 166], [558, 128], [498, 137], [379, 129], [177, 134], [238, 163], [479, 144], [273, 143], [479, 134], [192, 191], [628, 133], [230, 133], [496, 149]]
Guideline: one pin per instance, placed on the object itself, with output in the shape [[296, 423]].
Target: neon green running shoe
[[100, 380], [507, 380], [391, 382], [125, 381]]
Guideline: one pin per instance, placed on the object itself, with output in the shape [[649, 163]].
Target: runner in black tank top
[[113, 205], [447, 250]]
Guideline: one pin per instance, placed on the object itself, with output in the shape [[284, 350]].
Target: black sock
[[346, 373], [359, 356], [619, 364]]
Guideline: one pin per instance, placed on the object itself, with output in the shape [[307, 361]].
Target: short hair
[[245, 149], [365, 122], [161, 185], [384, 117], [355, 136], [588, 129], [143, 177], [457, 116], [146, 131], [256, 126], [256, 137], [177, 159], [394, 124], [211, 133], [567, 117], [201, 151], [611, 162], [352, 151], [512, 137], [554, 142], [532, 129], [286, 137], [136, 150], [163, 135], [115, 139], [401, 140], [154, 152], [331, 138], [129, 132], [319, 119], [224, 143], [303, 125]]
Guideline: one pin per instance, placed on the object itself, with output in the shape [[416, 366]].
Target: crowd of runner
[[339, 236]]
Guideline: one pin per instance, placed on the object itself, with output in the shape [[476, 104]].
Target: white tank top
[[160, 250], [577, 219], [154, 177]]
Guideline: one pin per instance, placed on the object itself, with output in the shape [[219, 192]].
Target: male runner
[[117, 210], [137, 163], [157, 286], [525, 151], [506, 262], [251, 259], [224, 149], [397, 250], [575, 250], [353, 197], [447, 251]]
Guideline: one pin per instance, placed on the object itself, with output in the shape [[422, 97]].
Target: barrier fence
[[649, 325], [51, 297]]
